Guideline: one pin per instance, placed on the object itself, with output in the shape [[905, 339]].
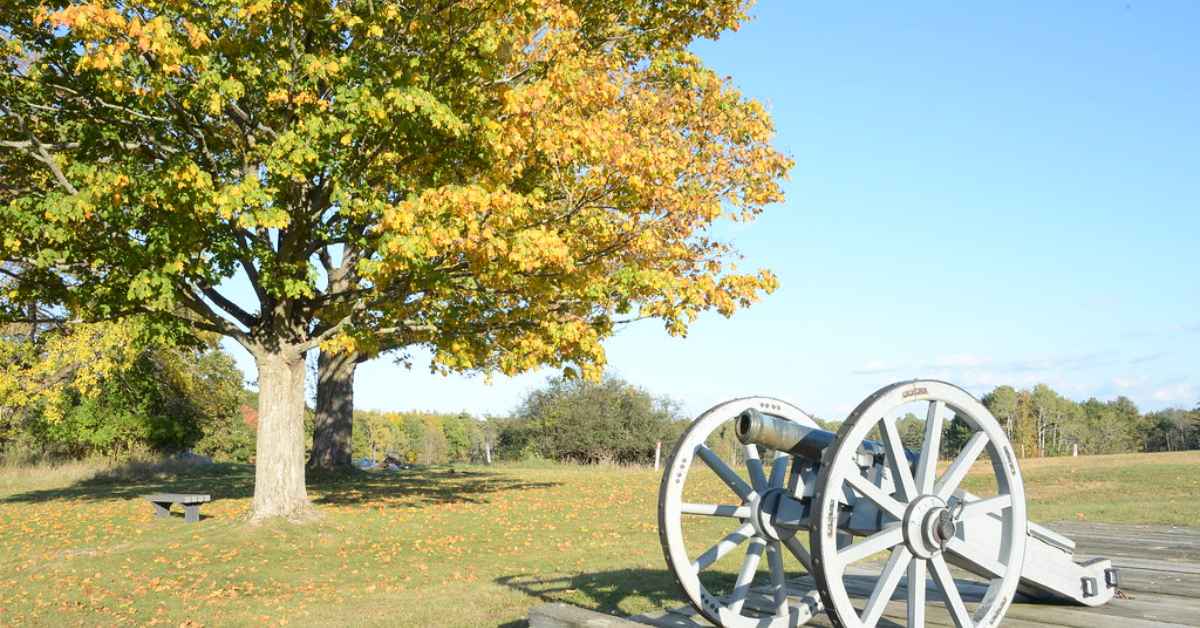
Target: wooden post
[[657, 454], [1074, 449], [487, 451]]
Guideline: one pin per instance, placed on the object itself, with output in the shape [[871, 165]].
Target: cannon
[[882, 519]]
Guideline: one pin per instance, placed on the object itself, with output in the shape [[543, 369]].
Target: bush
[[572, 420], [230, 437]]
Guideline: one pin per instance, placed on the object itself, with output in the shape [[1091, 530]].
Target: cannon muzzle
[[756, 428]]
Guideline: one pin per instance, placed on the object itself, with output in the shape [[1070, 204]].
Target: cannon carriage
[[867, 518]]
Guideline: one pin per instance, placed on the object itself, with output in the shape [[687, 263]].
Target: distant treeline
[[615, 421], [567, 420], [112, 389], [1040, 422], [420, 437]]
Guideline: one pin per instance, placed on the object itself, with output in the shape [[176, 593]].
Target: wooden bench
[[191, 504]]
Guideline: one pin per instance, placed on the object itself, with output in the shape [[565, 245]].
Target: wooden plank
[[1160, 573], [1153, 611], [1145, 551], [1091, 528], [1182, 537], [1158, 584], [559, 615], [1172, 544], [1143, 612], [1076, 617], [1165, 608], [1150, 564]]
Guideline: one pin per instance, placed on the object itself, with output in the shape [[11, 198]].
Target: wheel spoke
[[797, 549], [779, 467], [886, 585], [778, 578], [875, 494], [723, 547], [949, 482], [885, 539], [727, 475], [988, 506], [715, 510], [898, 460], [758, 479], [916, 593], [749, 566], [945, 582], [927, 463]]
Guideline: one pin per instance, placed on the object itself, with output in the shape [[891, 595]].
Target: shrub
[[580, 421]]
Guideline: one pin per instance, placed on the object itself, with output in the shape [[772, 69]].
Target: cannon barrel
[[755, 428]]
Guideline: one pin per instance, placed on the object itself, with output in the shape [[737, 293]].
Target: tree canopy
[[502, 183]]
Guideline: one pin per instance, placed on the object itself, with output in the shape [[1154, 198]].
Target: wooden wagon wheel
[[927, 523], [749, 522]]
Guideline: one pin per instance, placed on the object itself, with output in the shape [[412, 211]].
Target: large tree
[[645, 31], [503, 182]]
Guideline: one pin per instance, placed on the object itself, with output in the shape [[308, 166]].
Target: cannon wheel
[[746, 489], [928, 530]]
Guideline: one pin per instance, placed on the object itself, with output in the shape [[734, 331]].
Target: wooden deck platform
[[1160, 583]]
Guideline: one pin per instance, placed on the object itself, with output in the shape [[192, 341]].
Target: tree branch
[[210, 320], [37, 150], [209, 327], [96, 101], [246, 259], [330, 332], [234, 310], [241, 114]]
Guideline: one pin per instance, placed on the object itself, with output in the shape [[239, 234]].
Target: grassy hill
[[462, 546]]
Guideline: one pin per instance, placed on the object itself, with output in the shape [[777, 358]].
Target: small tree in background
[[580, 421], [957, 433], [912, 431], [1003, 403], [231, 438]]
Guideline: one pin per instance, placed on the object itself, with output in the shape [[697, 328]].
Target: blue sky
[[987, 194]]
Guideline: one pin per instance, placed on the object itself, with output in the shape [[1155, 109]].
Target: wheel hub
[[928, 524], [763, 510]]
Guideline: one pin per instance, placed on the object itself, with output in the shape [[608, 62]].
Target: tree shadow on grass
[[413, 488], [604, 591], [134, 479]]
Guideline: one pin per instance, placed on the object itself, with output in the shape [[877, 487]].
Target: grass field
[[462, 546]]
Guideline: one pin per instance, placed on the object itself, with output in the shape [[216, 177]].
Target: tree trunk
[[335, 411], [279, 453]]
